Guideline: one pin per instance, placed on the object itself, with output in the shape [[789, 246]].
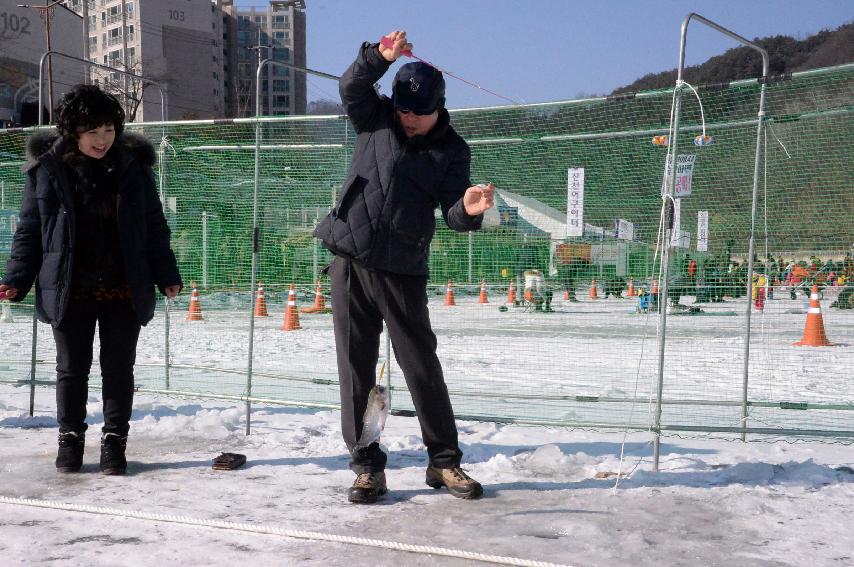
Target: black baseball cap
[[418, 88]]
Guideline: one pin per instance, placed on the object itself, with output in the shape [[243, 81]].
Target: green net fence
[[579, 346]]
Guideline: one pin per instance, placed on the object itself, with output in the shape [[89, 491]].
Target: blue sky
[[541, 50]]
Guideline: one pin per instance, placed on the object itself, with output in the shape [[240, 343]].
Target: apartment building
[[203, 52], [173, 43], [280, 29], [22, 43]]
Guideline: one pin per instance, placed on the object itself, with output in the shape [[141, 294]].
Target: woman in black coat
[[93, 238]]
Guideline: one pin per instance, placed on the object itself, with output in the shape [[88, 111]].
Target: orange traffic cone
[[511, 293], [261, 302], [449, 295], [566, 295], [483, 298], [631, 290], [814, 330], [291, 316], [195, 311], [593, 293], [319, 302]]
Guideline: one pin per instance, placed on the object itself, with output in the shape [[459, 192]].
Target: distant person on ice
[[92, 231], [408, 160]]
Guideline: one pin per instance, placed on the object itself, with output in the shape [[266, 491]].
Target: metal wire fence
[[577, 345]]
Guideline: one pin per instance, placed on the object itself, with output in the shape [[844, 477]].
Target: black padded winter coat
[[384, 214], [43, 243]]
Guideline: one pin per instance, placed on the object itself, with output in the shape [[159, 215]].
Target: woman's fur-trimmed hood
[[135, 146]]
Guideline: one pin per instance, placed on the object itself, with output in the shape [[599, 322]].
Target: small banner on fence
[[684, 174], [8, 226], [594, 231], [702, 231], [677, 220], [625, 229], [684, 239], [575, 202]]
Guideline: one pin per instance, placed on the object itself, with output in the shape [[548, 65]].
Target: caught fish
[[373, 422]]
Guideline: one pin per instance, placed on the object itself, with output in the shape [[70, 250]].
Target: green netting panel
[[558, 355]]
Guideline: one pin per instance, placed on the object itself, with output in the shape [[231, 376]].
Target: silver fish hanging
[[373, 422]]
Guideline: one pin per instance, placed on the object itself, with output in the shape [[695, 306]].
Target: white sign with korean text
[[702, 231], [684, 174], [575, 202], [625, 229], [677, 222], [684, 240]]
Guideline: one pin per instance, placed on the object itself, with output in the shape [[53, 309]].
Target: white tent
[[535, 217], [539, 215]]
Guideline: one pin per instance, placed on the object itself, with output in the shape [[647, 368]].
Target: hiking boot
[[69, 457], [367, 488], [457, 482], [113, 454]]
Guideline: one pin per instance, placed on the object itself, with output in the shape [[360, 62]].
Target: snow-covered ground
[[581, 365], [714, 502]]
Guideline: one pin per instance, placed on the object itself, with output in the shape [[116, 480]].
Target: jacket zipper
[[373, 252]]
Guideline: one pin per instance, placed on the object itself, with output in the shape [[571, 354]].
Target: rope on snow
[[273, 530]]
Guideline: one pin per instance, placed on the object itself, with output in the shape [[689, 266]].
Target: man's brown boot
[[367, 488], [457, 482]]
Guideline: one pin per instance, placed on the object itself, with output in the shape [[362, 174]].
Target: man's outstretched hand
[[397, 44], [478, 199], [8, 292]]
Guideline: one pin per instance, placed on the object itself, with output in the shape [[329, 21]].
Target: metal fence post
[[33, 359], [752, 242]]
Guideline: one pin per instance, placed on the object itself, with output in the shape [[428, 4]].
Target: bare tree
[[324, 106], [132, 92], [245, 90]]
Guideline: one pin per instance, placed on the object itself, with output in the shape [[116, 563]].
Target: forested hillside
[[787, 55]]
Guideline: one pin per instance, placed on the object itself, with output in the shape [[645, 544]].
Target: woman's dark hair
[[87, 107]]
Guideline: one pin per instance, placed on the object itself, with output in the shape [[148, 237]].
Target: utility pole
[[46, 13], [258, 48], [125, 58], [85, 14]]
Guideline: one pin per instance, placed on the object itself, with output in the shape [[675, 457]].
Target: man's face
[[96, 142], [417, 124]]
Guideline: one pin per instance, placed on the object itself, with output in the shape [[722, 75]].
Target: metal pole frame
[[33, 357], [255, 231], [752, 243], [161, 152], [44, 57], [205, 250]]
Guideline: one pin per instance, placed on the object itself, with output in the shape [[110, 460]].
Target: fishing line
[[770, 126], [387, 42]]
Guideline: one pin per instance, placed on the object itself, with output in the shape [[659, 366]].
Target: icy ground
[[713, 503]]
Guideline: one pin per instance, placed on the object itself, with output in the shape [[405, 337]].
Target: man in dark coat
[[407, 161], [94, 241]]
